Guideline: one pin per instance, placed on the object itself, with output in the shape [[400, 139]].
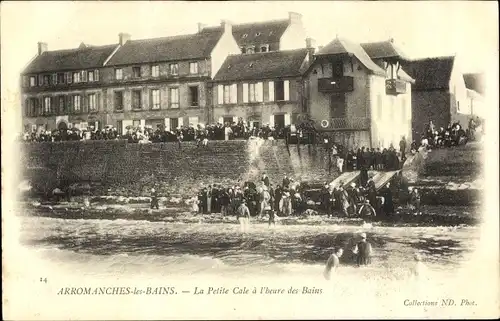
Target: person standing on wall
[[402, 149]]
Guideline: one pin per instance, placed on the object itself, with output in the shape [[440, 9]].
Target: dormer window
[[251, 65], [270, 33], [264, 48], [244, 36], [250, 50], [243, 50], [257, 34]]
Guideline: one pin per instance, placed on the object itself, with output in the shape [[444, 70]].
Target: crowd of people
[[147, 134], [452, 135], [291, 198]]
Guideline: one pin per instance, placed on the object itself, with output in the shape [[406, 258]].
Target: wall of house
[[294, 36], [261, 111], [48, 121], [132, 169], [391, 116], [429, 105], [165, 111], [225, 47], [458, 93], [356, 101]]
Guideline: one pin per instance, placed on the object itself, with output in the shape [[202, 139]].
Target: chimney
[[391, 40], [42, 47], [311, 47], [201, 26], [123, 38], [227, 26], [294, 17]]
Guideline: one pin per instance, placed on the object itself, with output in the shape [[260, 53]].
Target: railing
[[336, 85], [353, 123], [395, 87]]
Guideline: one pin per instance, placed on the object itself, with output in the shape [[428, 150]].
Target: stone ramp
[[347, 178], [382, 178]]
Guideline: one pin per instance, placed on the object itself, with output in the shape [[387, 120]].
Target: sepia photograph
[[249, 160]]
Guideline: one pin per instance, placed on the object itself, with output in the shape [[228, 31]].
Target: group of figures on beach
[[293, 198]]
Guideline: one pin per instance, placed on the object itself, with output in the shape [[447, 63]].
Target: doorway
[[279, 122]]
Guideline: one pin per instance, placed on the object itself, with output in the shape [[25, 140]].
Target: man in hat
[[363, 251], [243, 215], [154, 199], [333, 263]]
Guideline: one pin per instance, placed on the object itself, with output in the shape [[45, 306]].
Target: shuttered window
[[245, 93]]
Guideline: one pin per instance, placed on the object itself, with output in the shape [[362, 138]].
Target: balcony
[[352, 123], [395, 87], [336, 85]]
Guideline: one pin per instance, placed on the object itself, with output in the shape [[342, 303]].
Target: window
[[91, 76], [227, 94], [118, 74], [76, 77], [174, 123], [252, 90], [136, 99], [193, 68], [46, 105], [174, 97], [118, 100], [119, 127], [193, 96], [174, 69], [458, 106], [338, 105], [77, 104], [32, 81], [250, 50], [62, 105], [155, 99], [264, 48], [155, 71], [92, 102], [136, 72], [32, 104], [243, 50], [338, 69], [46, 80], [61, 79], [279, 89]]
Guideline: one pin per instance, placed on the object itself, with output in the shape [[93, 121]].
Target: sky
[[468, 29]]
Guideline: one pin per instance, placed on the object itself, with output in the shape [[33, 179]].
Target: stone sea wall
[[121, 168]]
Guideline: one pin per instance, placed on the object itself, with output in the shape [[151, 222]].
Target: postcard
[[249, 160]]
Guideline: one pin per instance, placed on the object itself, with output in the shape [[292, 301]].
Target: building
[[439, 93], [261, 88], [475, 94], [275, 35], [145, 82], [165, 81], [361, 100], [63, 88]]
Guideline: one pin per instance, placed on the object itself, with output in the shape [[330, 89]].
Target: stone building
[[360, 98], [274, 35], [64, 88], [439, 93], [261, 88], [165, 81]]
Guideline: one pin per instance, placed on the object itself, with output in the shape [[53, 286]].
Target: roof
[[342, 46], [263, 65], [257, 32], [404, 76], [474, 82], [383, 49], [430, 73], [199, 45], [70, 59]]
